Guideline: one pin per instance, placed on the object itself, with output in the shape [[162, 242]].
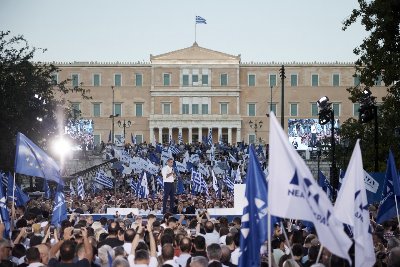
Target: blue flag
[[5, 216], [387, 207], [33, 161], [46, 189], [20, 197], [254, 219], [180, 189], [59, 208]]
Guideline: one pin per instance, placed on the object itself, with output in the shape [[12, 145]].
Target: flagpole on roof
[[195, 24]]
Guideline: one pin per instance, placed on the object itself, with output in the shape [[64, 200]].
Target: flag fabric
[[102, 179], [10, 186], [4, 178], [170, 139], [238, 176], [21, 198], [109, 137], [351, 208], [294, 193], [33, 161], [253, 232], [5, 216], [81, 188], [229, 184], [133, 139], [200, 20], [196, 182], [325, 185], [215, 185], [59, 208], [144, 187], [174, 150], [387, 207], [232, 158], [71, 189], [46, 189], [180, 138], [180, 189], [133, 185], [210, 138], [160, 182]]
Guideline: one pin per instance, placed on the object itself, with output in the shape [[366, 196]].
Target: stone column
[[219, 134], [180, 134], [190, 135], [229, 136], [151, 136], [200, 134], [160, 135], [238, 135]]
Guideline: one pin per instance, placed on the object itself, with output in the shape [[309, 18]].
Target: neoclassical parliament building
[[195, 89]]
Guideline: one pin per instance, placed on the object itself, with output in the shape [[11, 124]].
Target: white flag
[[215, 182], [352, 208], [294, 193]]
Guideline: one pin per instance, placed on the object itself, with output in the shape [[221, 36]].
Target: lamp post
[[326, 114], [255, 125], [282, 75], [125, 124], [270, 102]]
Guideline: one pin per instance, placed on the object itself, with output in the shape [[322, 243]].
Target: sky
[[131, 30]]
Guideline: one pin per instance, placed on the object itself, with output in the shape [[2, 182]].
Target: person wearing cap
[[168, 175]]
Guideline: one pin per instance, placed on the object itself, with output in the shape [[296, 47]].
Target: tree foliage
[[31, 102], [379, 56]]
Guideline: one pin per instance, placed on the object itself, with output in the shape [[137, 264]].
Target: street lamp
[[124, 125], [255, 125], [112, 126], [270, 102], [326, 115]]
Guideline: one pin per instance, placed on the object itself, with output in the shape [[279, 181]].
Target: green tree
[[31, 99], [379, 58]]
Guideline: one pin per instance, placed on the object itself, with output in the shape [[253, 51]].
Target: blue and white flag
[[232, 158], [174, 150], [254, 230], [203, 170], [180, 167], [238, 176], [144, 187], [325, 185], [81, 188], [200, 20], [46, 189], [102, 179], [21, 198], [59, 208], [165, 155], [133, 139], [229, 184], [351, 208], [294, 193], [160, 182], [4, 178], [180, 138], [133, 185], [210, 138], [5, 216], [33, 161], [170, 140], [387, 207], [71, 189], [196, 182]]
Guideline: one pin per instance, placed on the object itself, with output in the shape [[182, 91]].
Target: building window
[[314, 109], [293, 109], [75, 80], [251, 109], [117, 80], [293, 80], [252, 80], [185, 80], [223, 108], [252, 138], [96, 80], [356, 107], [185, 108], [139, 138], [138, 79], [314, 80], [195, 79], [167, 79], [224, 79], [75, 110], [378, 80], [336, 80], [272, 80], [117, 109], [96, 139], [96, 110], [54, 79], [166, 108], [204, 109], [272, 107], [195, 108], [336, 109], [357, 80], [204, 79], [138, 109]]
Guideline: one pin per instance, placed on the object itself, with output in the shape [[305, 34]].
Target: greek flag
[[160, 182], [102, 179], [133, 185], [144, 187], [200, 20], [228, 182], [196, 182], [174, 150], [59, 208], [180, 138], [81, 188], [4, 178], [210, 138], [71, 189]]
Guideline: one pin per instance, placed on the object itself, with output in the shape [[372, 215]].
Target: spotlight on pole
[[324, 110]]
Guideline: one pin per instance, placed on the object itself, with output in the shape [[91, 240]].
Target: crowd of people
[[170, 240]]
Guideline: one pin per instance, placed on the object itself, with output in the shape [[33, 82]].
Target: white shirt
[[173, 263], [235, 256], [183, 258], [131, 260], [211, 238], [127, 247], [165, 171]]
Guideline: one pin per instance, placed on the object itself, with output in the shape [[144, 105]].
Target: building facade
[[195, 90]]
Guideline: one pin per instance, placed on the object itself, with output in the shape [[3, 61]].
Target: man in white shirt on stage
[[168, 175]]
